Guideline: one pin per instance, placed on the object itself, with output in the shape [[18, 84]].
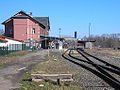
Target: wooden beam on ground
[[58, 77]]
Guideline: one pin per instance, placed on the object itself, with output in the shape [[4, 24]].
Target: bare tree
[[106, 40], [2, 31]]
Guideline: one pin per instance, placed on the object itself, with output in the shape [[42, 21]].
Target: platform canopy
[[50, 38]]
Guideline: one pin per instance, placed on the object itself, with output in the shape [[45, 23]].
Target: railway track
[[103, 69]]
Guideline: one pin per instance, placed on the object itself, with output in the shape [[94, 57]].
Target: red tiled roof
[[3, 40], [3, 37]]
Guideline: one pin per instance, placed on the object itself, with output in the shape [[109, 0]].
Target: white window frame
[[33, 31]]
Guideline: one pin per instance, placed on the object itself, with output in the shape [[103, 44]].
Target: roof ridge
[[41, 17], [26, 15]]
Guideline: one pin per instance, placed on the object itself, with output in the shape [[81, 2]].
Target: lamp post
[[45, 39], [32, 39]]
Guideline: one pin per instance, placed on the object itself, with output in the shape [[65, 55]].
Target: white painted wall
[[89, 45], [13, 41], [10, 41], [3, 44], [60, 45]]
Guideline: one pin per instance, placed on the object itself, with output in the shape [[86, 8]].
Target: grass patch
[[19, 53], [12, 57], [2, 64], [51, 65], [46, 85], [104, 51]]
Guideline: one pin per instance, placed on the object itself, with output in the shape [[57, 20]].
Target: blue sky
[[69, 15]]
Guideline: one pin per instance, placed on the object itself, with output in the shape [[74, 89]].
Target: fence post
[[58, 81], [0, 50], [7, 49], [3, 51]]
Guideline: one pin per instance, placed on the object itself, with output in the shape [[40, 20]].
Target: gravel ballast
[[87, 79]]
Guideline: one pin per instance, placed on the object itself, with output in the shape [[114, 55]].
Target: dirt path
[[12, 73]]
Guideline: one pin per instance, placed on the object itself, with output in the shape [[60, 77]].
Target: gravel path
[[11, 74], [86, 78]]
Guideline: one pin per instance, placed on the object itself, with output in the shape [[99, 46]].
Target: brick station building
[[23, 26]]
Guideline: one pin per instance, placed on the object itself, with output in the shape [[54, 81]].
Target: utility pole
[[59, 32], [89, 30]]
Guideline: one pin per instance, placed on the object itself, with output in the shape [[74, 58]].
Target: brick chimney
[[30, 13]]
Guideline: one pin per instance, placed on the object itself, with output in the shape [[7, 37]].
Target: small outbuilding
[[48, 42], [11, 43], [86, 44]]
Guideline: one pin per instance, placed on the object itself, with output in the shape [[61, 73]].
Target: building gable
[[22, 14], [23, 26]]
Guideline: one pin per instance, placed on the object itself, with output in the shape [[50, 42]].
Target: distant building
[[86, 44], [23, 26], [52, 42]]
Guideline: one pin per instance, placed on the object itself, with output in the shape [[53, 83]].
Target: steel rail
[[105, 67], [111, 82], [108, 64], [99, 68]]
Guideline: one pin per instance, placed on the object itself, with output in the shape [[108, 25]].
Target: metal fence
[[12, 48]]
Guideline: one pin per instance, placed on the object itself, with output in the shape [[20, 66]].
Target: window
[[33, 30], [11, 31]]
